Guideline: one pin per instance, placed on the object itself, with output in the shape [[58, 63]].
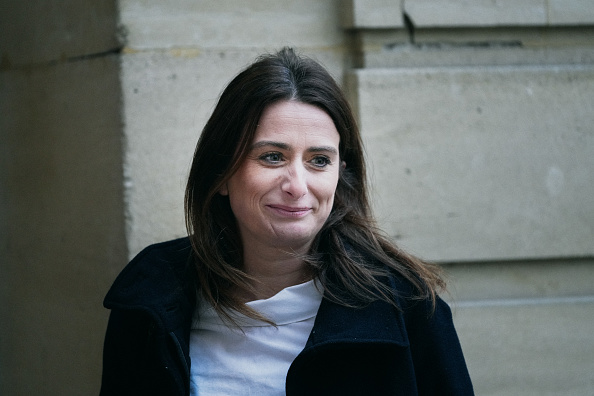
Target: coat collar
[[157, 281], [378, 322]]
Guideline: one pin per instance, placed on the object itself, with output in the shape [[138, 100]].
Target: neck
[[273, 270]]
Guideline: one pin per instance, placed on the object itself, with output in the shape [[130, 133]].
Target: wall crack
[[7, 65]]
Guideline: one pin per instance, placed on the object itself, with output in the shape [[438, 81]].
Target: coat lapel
[[354, 351], [377, 322]]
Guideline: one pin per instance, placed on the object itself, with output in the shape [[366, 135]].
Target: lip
[[289, 211]]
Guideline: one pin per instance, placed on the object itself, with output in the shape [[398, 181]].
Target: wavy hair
[[350, 257]]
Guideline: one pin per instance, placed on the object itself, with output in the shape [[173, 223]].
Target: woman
[[283, 285]]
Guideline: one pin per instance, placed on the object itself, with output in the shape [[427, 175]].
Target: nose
[[295, 181]]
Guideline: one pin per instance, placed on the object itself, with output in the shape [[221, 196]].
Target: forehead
[[292, 119]]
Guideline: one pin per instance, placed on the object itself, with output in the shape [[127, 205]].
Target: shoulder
[[158, 272], [428, 322], [417, 305]]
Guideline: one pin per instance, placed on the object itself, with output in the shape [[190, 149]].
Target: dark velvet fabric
[[375, 350]]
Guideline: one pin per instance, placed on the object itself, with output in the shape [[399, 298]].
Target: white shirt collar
[[290, 305]]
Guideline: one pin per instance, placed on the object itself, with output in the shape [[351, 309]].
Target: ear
[[224, 190], [342, 165]]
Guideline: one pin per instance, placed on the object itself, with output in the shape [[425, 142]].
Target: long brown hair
[[349, 256]]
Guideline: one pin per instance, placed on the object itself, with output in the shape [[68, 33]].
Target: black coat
[[376, 350]]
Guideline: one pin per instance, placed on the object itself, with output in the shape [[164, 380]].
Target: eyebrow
[[284, 146]]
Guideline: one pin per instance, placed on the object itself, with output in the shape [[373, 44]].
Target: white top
[[227, 361]]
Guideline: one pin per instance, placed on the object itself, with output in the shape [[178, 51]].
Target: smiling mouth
[[289, 211]]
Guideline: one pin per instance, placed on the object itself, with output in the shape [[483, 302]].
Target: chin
[[296, 240]]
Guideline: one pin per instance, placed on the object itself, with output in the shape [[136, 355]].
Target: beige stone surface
[[571, 12], [525, 326], [168, 100], [484, 13], [482, 163], [469, 55], [519, 280], [38, 31], [61, 223], [225, 24], [460, 13], [546, 38], [384, 48], [372, 14], [529, 347]]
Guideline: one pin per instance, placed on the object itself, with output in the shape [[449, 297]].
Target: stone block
[[544, 279], [480, 13], [38, 31], [482, 163], [372, 14], [474, 55], [167, 100], [549, 38], [485, 13], [227, 24], [473, 47], [572, 12], [62, 227], [529, 348]]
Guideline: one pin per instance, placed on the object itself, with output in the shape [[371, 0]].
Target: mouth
[[290, 211]]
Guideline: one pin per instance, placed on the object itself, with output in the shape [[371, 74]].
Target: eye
[[271, 158], [321, 161]]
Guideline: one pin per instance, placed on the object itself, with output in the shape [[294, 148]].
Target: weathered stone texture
[[226, 24], [525, 326], [528, 348], [519, 280], [61, 223], [571, 12], [168, 99], [485, 13], [372, 14], [482, 163], [38, 31]]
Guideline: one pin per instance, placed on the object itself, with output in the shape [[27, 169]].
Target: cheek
[[247, 188], [327, 190], [243, 183]]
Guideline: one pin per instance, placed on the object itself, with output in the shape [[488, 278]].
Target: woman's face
[[283, 192]]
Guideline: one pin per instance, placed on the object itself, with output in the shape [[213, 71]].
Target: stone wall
[[477, 117], [62, 237], [478, 122]]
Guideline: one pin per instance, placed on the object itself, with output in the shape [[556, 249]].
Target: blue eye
[[321, 161], [272, 158]]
